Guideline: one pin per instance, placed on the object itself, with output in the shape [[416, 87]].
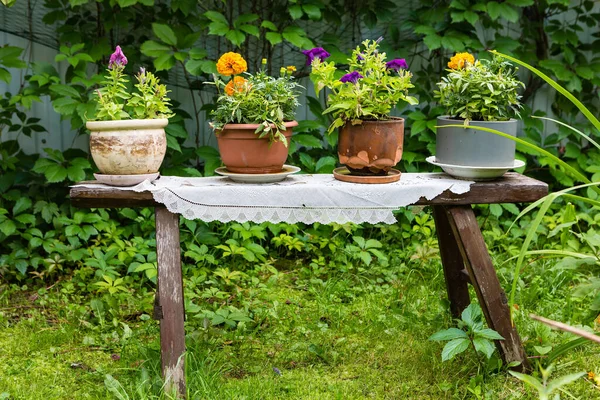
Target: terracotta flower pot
[[242, 151], [371, 148], [128, 147]]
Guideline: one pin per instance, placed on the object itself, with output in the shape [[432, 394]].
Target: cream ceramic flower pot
[[128, 147]]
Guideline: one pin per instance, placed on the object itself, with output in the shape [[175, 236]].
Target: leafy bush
[[259, 99], [483, 90], [369, 90]]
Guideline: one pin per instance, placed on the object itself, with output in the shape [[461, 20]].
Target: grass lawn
[[359, 335]]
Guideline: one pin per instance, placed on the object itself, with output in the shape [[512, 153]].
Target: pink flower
[[117, 58]]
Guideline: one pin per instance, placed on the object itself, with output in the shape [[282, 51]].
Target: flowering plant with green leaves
[[114, 102], [256, 99], [369, 90], [482, 90]]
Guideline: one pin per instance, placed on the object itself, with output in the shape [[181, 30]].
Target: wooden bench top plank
[[512, 188]]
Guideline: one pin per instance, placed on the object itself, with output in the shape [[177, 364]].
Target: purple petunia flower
[[397, 64], [352, 77], [317, 52], [117, 58]]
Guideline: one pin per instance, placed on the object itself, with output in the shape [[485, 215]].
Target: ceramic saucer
[[258, 178], [124, 180], [475, 173]]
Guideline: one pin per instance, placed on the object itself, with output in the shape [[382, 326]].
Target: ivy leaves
[[56, 168]]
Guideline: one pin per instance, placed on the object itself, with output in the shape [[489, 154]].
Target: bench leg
[[485, 281], [456, 281], [170, 308]]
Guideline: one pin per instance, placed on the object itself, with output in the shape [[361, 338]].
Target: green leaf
[[268, 25], [55, 173], [176, 130], [295, 39], [251, 30], [295, 11], [433, 41], [452, 43], [173, 144], [218, 28], [521, 3], [165, 33], [75, 173], [325, 165], [65, 106], [496, 209], [448, 334], [244, 19], [530, 380], [453, 348], [8, 227], [26, 219], [154, 49], [5, 75], [307, 140], [216, 17], [273, 38], [471, 315], [494, 10], [164, 62], [484, 346], [236, 37], [22, 204], [312, 11], [562, 381]]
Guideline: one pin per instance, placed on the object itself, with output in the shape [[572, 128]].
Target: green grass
[[352, 336]]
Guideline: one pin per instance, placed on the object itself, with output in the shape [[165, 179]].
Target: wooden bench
[[464, 256]]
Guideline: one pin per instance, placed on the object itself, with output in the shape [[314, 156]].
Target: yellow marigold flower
[[231, 64], [236, 84], [291, 68], [591, 375], [460, 60]]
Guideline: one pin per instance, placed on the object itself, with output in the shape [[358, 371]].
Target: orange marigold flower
[[237, 84], [231, 64], [460, 60], [591, 375], [291, 68]]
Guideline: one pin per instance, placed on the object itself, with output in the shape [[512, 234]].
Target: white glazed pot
[[128, 147]]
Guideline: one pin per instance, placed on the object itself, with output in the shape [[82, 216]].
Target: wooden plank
[[512, 188], [110, 198], [452, 262], [491, 297], [170, 306]]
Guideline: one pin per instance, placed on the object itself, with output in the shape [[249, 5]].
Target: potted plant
[[254, 115], [477, 93], [360, 102], [127, 141]]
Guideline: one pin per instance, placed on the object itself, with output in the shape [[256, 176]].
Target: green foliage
[[486, 90], [471, 333], [260, 99], [116, 103], [546, 388], [370, 89]]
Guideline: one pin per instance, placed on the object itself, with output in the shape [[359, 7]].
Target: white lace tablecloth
[[298, 198]]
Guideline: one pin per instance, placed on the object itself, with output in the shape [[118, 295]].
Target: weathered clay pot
[[128, 147], [473, 148], [242, 151], [371, 148]]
